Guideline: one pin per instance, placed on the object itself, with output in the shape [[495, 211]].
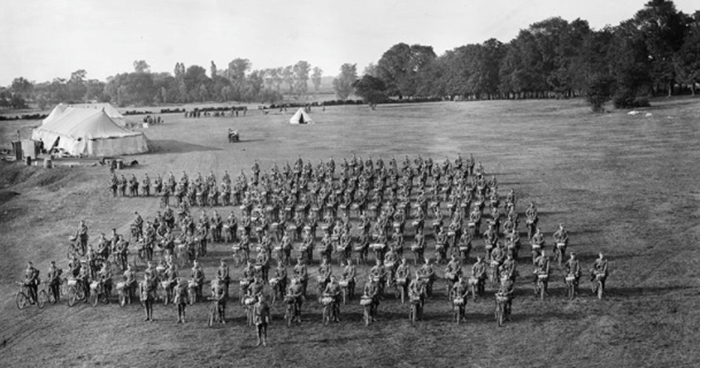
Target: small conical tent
[[55, 113], [89, 132], [301, 117]]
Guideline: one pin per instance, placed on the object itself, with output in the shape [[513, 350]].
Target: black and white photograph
[[458, 183]]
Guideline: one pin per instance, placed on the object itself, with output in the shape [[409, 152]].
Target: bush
[[625, 100], [598, 90]]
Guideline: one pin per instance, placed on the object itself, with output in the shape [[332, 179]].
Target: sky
[[45, 39]]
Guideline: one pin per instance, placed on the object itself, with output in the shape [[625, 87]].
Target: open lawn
[[624, 185]]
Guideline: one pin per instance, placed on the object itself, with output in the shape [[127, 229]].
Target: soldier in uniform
[[261, 317], [197, 274], [572, 268], [146, 292], [54, 280], [223, 275], [479, 271], [31, 281], [601, 268], [181, 299]]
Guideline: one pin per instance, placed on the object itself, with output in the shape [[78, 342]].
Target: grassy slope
[[625, 185]]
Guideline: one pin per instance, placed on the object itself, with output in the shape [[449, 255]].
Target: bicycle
[[53, 295], [98, 293], [23, 297], [75, 249], [75, 291]]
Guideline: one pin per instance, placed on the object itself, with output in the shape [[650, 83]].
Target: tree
[[22, 87], [288, 77], [343, 85], [196, 79], [686, 59], [371, 70], [662, 29], [212, 70], [316, 78], [140, 66], [95, 90], [255, 85], [237, 70], [179, 70], [301, 76], [630, 64], [371, 90], [401, 65], [76, 85], [278, 77]]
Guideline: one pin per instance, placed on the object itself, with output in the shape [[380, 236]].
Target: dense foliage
[[654, 53]]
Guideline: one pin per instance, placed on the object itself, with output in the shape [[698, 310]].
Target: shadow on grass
[[250, 140], [173, 146]]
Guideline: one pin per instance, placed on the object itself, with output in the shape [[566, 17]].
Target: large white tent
[[115, 115], [89, 132], [301, 117]]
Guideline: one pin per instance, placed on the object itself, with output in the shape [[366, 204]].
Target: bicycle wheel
[[366, 315], [21, 300], [72, 297], [288, 317], [542, 291], [210, 320], [122, 300], [412, 313], [600, 290], [456, 314], [53, 299], [93, 299], [42, 299]]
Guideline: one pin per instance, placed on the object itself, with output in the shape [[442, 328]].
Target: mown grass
[[624, 185]]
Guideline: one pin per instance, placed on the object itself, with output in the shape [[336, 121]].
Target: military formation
[[407, 218]]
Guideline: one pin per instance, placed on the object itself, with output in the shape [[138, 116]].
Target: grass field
[[624, 185]]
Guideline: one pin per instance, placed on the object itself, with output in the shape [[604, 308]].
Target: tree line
[[654, 53], [192, 84]]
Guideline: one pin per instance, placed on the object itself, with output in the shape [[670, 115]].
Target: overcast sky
[[44, 39]]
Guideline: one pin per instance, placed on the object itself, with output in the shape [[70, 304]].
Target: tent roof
[[108, 108], [85, 123], [115, 115], [55, 113], [303, 114]]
